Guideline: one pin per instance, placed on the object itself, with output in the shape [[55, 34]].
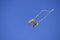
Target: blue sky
[[14, 15]]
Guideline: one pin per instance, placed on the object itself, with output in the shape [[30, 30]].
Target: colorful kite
[[33, 21]]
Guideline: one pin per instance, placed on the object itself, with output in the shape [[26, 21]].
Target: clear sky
[[14, 16]]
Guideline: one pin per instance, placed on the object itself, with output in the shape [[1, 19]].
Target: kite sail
[[34, 19]]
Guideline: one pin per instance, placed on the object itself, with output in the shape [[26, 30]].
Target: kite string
[[40, 13], [45, 15]]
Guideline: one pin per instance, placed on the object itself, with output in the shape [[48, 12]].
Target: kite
[[34, 19]]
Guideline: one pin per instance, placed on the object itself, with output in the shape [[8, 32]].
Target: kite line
[[49, 11]]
